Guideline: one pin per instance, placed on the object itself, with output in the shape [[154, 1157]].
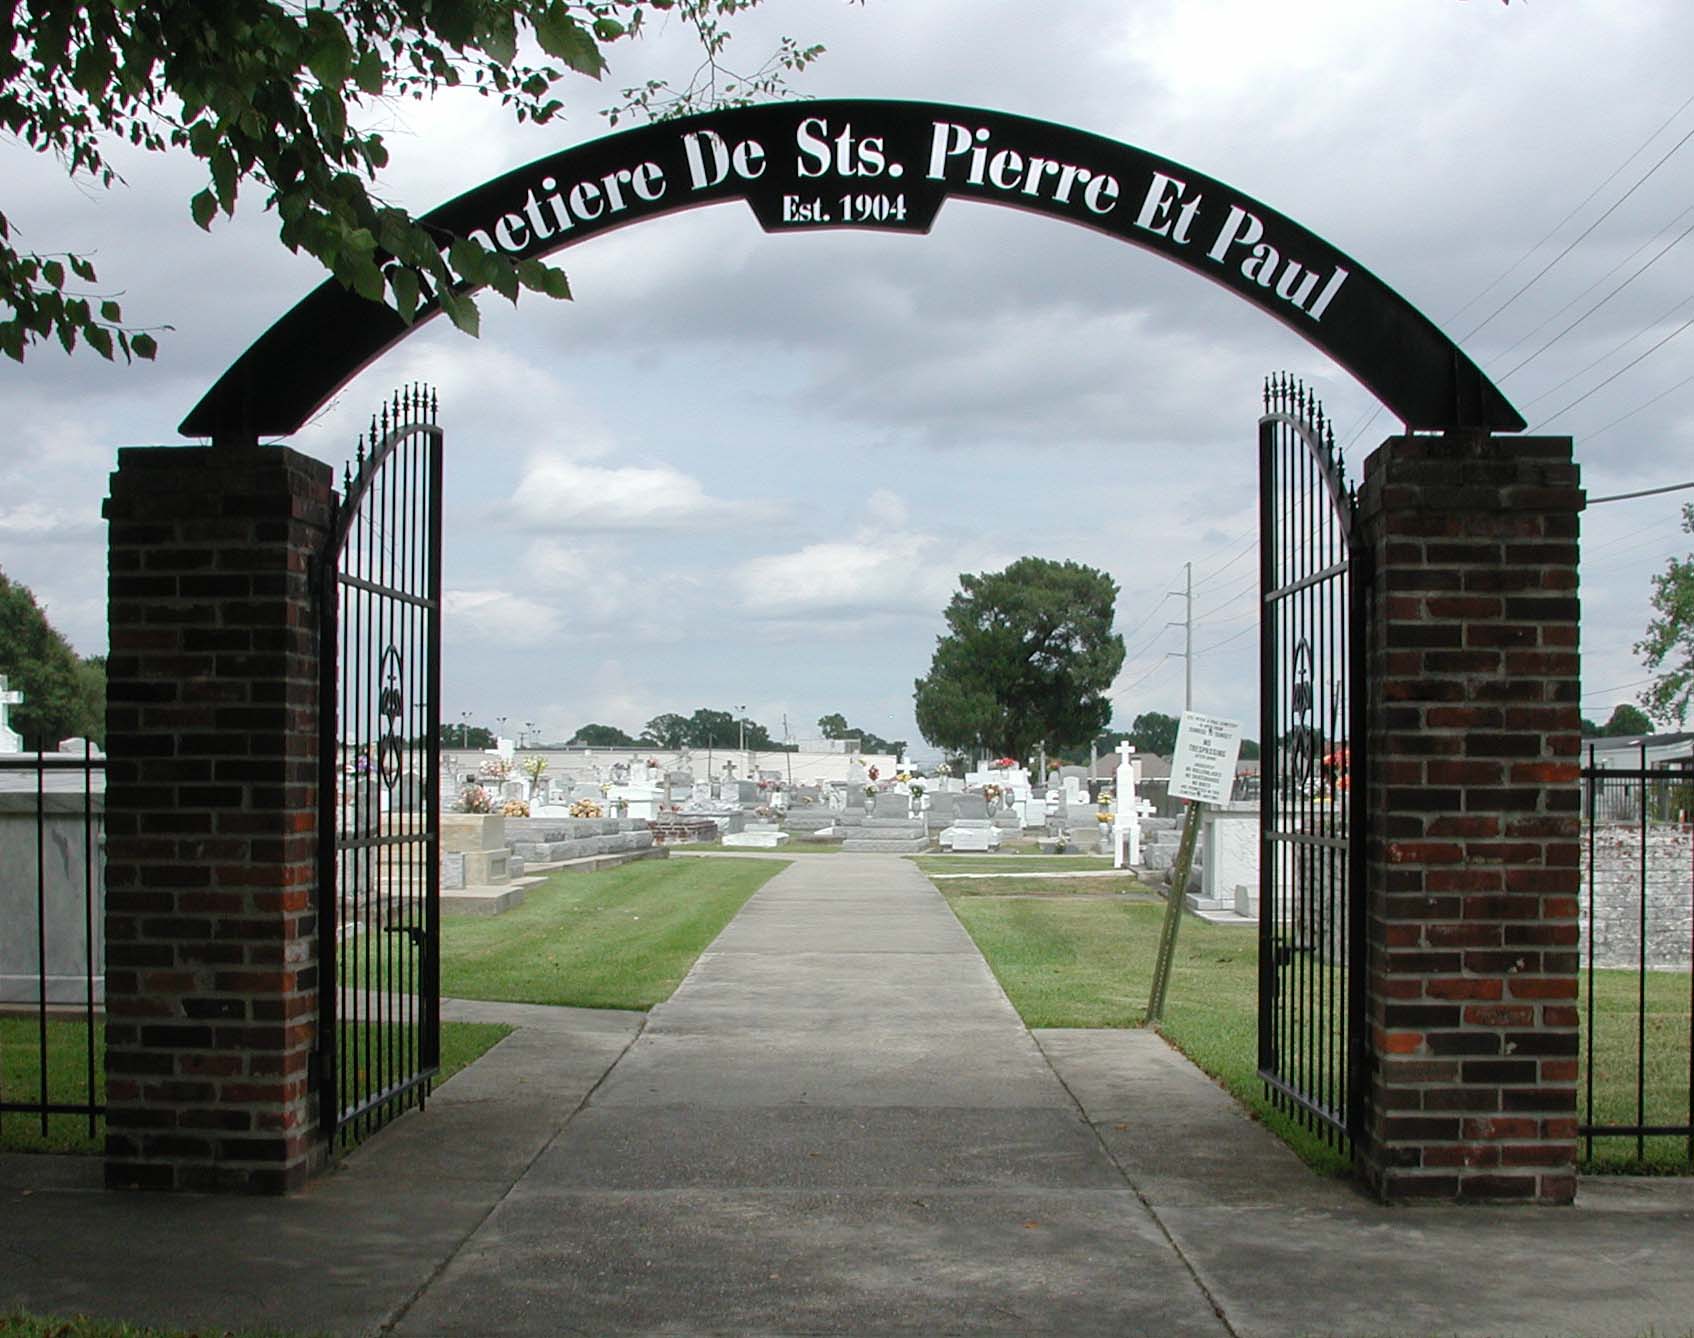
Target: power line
[[1614, 376], [1534, 330], [1218, 645], [1583, 204], [1602, 302], [1580, 237], [1212, 575], [1589, 436], [1645, 492], [1620, 687], [1163, 600]]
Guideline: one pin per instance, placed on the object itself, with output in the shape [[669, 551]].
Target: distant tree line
[[64, 694]]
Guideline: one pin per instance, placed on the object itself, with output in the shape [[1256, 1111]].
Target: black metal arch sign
[[889, 167]]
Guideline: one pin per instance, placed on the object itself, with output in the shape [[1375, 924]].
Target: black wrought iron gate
[[379, 878], [1312, 788]]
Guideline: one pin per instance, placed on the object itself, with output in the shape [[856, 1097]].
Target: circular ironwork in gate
[[1302, 747], [390, 706]]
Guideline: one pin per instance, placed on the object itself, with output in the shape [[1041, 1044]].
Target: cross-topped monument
[[1126, 831], [10, 740]]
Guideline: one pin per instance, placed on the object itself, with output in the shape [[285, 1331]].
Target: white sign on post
[[1204, 765]]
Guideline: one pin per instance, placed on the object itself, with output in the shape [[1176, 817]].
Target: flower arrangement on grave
[[870, 792], [943, 770], [902, 776], [765, 813], [534, 768], [1003, 764], [917, 790], [585, 808], [475, 799], [991, 793], [871, 772], [515, 808], [1103, 817], [495, 768]]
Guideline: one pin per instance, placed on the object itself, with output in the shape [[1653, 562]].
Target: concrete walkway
[[839, 1125]]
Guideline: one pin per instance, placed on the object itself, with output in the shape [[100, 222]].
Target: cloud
[[36, 523], [556, 493], [498, 616], [879, 569]]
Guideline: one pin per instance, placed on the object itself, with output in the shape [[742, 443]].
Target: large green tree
[[280, 95], [666, 730], [1668, 647], [835, 726], [63, 696], [1028, 656], [603, 736], [1155, 732]]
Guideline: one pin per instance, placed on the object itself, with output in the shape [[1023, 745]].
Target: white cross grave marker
[[10, 740], [1126, 830]]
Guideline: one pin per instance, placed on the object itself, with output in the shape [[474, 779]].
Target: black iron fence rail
[[28, 861], [1638, 885]]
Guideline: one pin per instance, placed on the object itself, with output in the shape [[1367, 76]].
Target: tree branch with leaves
[[1668, 647], [269, 94]]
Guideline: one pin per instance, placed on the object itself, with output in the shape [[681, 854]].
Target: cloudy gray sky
[[747, 470]]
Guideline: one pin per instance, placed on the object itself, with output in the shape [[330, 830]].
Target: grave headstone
[[893, 804], [971, 806], [409, 793], [10, 740]]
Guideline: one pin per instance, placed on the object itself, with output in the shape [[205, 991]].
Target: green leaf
[[406, 288], [81, 268], [468, 260], [367, 280], [223, 178], [204, 208], [563, 38], [369, 73], [100, 338], [329, 55], [145, 346], [109, 312], [499, 35], [54, 273], [544, 278], [462, 312], [502, 278]]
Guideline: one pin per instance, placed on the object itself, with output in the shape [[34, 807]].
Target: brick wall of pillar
[[211, 818], [1472, 865]]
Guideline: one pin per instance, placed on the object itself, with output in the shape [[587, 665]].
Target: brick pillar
[[1474, 807], [211, 967]]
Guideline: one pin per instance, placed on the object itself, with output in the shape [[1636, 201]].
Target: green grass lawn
[[1008, 863], [623, 938], [793, 847], [1122, 885], [619, 939], [1664, 1078], [67, 1077], [1066, 961]]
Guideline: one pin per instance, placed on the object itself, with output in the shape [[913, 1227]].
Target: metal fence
[[379, 873], [52, 931], [1637, 913], [1311, 723]]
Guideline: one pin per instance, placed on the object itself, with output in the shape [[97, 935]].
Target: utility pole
[[1187, 624]]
